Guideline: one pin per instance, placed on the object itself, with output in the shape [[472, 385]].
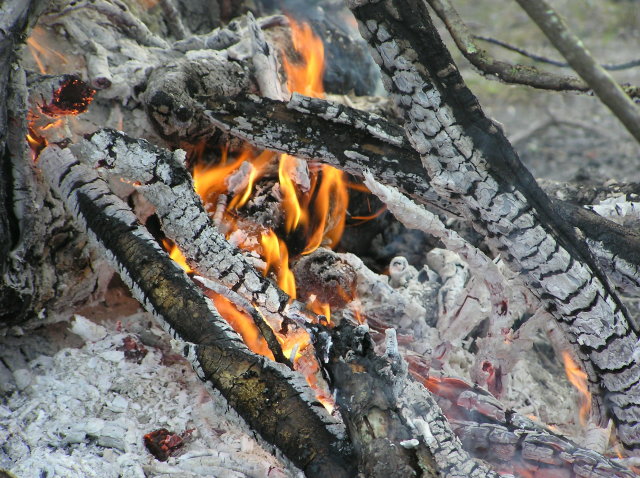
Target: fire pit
[[381, 290]]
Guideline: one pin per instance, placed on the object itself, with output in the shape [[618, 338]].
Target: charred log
[[39, 276], [273, 400], [471, 163], [395, 425]]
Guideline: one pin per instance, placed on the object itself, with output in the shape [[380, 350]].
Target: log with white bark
[[273, 400], [471, 163]]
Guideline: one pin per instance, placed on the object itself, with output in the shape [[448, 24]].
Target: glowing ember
[[305, 77], [578, 379], [72, 98]]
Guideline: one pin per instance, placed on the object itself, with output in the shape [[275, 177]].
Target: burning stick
[[273, 400]]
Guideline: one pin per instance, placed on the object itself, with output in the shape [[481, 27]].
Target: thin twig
[[542, 59], [514, 73], [580, 59]]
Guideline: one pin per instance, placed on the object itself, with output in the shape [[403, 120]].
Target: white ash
[[623, 209], [85, 411], [534, 382]]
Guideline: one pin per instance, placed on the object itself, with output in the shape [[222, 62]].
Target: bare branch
[[580, 59], [505, 71], [542, 59]]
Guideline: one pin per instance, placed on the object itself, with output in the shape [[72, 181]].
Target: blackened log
[[273, 400], [616, 247], [471, 163], [394, 423]]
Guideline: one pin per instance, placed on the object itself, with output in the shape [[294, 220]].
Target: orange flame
[[241, 323], [290, 201], [176, 255], [578, 379], [320, 308], [276, 255], [330, 207], [212, 180], [305, 77]]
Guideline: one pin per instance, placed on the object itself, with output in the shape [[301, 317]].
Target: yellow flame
[[276, 255], [290, 201], [578, 379], [176, 254], [305, 77]]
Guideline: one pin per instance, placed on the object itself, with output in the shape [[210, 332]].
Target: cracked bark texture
[[273, 400], [471, 163]]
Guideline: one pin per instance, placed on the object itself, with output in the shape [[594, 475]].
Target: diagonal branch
[[272, 399]]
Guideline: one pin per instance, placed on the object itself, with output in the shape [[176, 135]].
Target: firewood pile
[[237, 247]]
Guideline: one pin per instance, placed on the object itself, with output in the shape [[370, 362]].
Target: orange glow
[[176, 255], [330, 207], [319, 307], [305, 77], [276, 255], [290, 201], [578, 379]]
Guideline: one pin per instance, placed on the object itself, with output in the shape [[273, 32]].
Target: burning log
[[355, 141], [272, 399], [471, 163]]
